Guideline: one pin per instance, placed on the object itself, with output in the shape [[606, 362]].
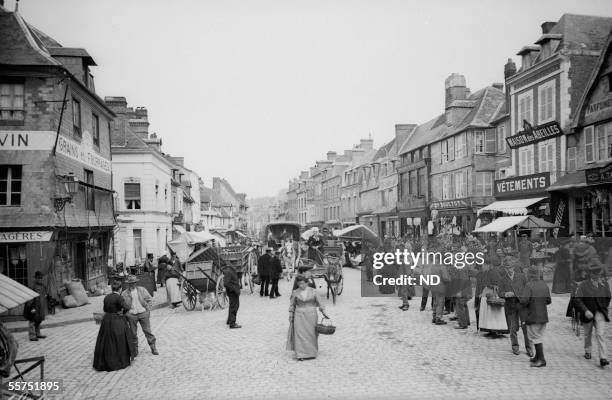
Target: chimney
[[358, 154], [116, 103], [509, 71], [402, 133], [367, 144], [348, 154], [547, 26], [331, 155], [455, 89]]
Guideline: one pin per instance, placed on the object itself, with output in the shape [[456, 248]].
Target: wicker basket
[[325, 329]]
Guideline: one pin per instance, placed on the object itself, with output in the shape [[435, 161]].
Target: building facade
[[56, 202]]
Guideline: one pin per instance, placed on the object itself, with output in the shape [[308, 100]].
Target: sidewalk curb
[[72, 321]]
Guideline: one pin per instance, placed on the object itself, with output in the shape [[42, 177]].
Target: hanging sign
[[534, 134]]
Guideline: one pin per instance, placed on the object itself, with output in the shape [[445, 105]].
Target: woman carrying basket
[[303, 337]]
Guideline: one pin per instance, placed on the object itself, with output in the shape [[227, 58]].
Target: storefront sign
[[83, 153], [534, 134], [28, 236], [458, 203], [26, 140], [526, 184], [599, 175], [599, 106]]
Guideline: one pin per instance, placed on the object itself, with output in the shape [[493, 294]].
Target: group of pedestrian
[[270, 271]]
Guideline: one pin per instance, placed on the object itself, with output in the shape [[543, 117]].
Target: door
[[80, 261]]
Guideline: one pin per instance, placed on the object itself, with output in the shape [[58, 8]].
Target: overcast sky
[[255, 91]]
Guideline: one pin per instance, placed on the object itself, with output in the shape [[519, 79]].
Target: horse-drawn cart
[[330, 270], [202, 281], [244, 260]]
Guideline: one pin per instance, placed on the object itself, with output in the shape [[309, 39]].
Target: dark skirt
[[113, 344], [562, 280]]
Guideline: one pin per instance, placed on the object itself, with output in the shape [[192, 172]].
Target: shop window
[[95, 129], [13, 262], [76, 117], [10, 185], [137, 234], [132, 196], [11, 101], [546, 102], [90, 194], [525, 155], [484, 183]]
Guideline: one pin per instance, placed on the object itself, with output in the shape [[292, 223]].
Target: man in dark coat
[[264, 264], [511, 285], [232, 288], [276, 270], [592, 300], [536, 297], [36, 309], [462, 294]]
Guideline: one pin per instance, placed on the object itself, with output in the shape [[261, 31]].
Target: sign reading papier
[[27, 236], [26, 140], [84, 154]]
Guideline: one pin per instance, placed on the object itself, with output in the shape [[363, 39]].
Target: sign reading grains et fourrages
[[83, 153]]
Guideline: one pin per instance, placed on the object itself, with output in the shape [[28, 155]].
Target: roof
[[569, 181], [205, 194], [19, 45], [500, 113], [13, 293], [582, 32], [486, 104], [386, 151], [71, 52]]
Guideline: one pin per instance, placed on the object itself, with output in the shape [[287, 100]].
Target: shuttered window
[[132, 196], [589, 144]]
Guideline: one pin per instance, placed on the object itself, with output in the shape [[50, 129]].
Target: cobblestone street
[[378, 351]]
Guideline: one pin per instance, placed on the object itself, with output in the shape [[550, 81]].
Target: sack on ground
[[69, 301], [76, 289]]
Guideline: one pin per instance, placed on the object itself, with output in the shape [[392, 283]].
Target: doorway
[[80, 261]]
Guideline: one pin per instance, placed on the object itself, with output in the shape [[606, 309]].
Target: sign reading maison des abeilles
[[534, 134], [599, 175], [520, 185], [84, 153]]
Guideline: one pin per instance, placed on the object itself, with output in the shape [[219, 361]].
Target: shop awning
[[512, 207], [502, 224], [358, 232], [575, 180], [13, 294], [179, 229]]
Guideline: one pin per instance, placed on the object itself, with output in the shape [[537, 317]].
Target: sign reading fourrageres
[[82, 153]]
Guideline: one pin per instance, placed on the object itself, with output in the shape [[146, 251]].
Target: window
[[137, 233], [501, 138], [484, 183], [546, 102], [460, 184], [76, 117], [546, 156], [416, 155], [132, 196], [479, 142], [571, 159], [90, 199], [525, 108], [460, 146], [95, 129], [526, 160], [443, 152], [589, 144], [414, 189], [422, 182], [405, 184], [10, 185], [446, 192], [11, 101], [490, 141], [600, 140], [451, 149]]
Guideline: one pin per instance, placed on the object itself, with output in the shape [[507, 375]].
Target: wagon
[[330, 270], [277, 236], [202, 281], [244, 260]]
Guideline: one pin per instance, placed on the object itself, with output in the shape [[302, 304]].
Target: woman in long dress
[[492, 319], [303, 317], [173, 289], [113, 350], [562, 279]]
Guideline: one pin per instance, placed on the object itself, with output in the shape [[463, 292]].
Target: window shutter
[[589, 150], [132, 191], [490, 141]]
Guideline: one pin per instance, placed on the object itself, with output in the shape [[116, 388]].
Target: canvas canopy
[[358, 232], [512, 207], [524, 221], [184, 245], [13, 294]]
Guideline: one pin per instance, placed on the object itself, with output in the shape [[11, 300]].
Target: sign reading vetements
[[534, 134], [522, 184]]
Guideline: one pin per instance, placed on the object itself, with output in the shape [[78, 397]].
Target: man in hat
[[511, 285], [36, 309], [276, 270], [139, 302], [264, 265], [525, 249], [536, 298], [232, 288], [592, 300]]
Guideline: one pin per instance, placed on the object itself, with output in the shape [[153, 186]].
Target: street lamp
[[71, 185]]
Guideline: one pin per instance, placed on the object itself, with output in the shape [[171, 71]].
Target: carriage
[[277, 235], [203, 277], [329, 268]]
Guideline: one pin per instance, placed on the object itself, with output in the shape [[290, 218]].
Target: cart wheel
[[220, 294], [189, 296]]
